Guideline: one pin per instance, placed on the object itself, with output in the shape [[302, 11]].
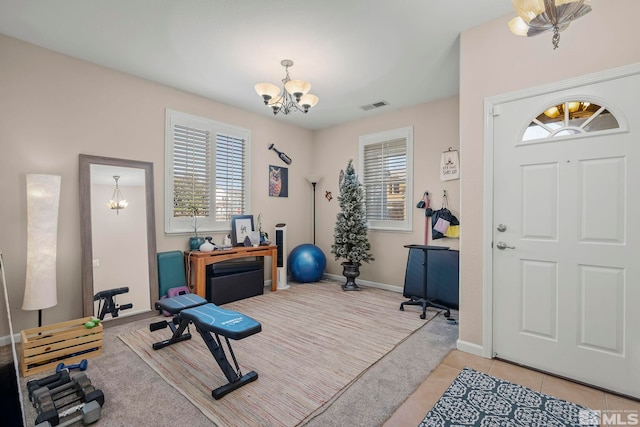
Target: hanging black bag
[[442, 219]]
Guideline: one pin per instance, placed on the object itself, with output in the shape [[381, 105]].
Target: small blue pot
[[195, 242]]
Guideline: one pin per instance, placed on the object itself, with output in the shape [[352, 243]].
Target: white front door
[[566, 288]]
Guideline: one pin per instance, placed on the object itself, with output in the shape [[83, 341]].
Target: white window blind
[[191, 171], [230, 177], [386, 172], [207, 174], [384, 177]]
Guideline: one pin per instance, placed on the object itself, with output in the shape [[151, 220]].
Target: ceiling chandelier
[[571, 108], [539, 16], [117, 201], [294, 95]]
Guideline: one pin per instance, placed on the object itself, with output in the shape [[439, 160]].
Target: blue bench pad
[[178, 303], [230, 324]]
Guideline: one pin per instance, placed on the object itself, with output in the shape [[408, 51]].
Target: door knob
[[503, 245]]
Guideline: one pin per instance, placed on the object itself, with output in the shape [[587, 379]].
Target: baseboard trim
[[471, 348], [386, 287], [6, 340]]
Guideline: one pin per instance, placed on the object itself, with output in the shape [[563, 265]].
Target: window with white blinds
[[207, 175], [386, 160]]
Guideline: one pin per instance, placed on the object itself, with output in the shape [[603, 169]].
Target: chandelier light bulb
[[308, 101], [297, 88], [267, 91]]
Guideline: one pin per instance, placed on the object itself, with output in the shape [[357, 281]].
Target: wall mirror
[[118, 237]]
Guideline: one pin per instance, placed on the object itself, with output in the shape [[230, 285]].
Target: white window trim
[[185, 225], [389, 135]]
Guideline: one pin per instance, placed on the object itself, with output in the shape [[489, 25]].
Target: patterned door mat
[[477, 399]]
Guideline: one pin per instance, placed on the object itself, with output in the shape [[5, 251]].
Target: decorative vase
[[207, 246], [195, 242], [350, 271]]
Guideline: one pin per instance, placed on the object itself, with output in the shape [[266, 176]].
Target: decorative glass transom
[[570, 118]]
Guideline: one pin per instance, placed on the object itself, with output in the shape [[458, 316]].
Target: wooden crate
[[67, 342]]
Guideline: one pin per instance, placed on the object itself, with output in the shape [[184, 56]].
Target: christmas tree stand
[[350, 271]]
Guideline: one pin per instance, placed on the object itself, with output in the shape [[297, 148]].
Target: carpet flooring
[[315, 341], [479, 399]]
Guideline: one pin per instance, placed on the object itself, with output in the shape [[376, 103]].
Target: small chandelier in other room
[[539, 16], [117, 201], [294, 95]]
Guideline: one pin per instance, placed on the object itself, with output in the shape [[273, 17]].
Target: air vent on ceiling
[[374, 105]]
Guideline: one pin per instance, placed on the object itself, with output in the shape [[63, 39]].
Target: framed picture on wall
[[241, 228], [278, 181]]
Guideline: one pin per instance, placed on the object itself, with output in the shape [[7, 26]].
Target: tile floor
[[426, 395]]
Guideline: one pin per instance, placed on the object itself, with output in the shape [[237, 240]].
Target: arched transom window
[[570, 118]]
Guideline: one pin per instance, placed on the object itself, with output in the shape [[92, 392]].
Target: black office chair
[[416, 286]]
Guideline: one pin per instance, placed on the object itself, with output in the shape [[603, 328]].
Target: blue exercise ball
[[307, 263]]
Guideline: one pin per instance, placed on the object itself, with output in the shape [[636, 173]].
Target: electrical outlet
[[96, 263]]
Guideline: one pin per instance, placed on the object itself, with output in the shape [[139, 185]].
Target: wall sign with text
[[449, 165]]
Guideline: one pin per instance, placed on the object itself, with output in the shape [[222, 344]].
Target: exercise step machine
[[211, 322], [107, 302]]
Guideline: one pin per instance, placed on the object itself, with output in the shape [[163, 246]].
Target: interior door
[[566, 275]]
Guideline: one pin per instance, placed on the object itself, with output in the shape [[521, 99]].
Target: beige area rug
[[315, 340]]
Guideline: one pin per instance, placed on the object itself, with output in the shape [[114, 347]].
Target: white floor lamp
[[43, 200]]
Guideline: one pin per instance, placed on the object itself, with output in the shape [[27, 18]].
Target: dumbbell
[[43, 394], [82, 366], [49, 413], [90, 413], [52, 381]]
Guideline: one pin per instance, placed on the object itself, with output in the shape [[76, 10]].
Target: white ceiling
[[353, 52], [129, 177]]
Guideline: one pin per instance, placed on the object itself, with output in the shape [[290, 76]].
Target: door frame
[[492, 109]]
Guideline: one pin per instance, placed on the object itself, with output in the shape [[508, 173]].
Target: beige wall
[[495, 62], [435, 129], [53, 107]]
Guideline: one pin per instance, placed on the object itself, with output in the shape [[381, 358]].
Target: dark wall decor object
[[241, 228], [278, 181], [282, 156]]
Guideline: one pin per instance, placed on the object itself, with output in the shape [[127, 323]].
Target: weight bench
[[178, 326], [210, 321]]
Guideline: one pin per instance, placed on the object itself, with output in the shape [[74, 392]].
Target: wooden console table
[[198, 261]]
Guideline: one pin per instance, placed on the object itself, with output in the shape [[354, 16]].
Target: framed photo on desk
[[241, 228]]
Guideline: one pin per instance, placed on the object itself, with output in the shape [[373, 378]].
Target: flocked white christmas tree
[[350, 233]]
